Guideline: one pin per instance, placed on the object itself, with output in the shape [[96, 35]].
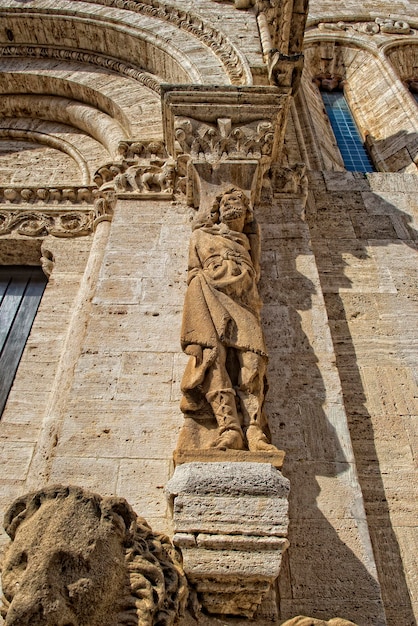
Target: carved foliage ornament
[[39, 224], [386, 26], [77, 558], [224, 140]]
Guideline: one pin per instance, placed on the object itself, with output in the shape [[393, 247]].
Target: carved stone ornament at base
[[78, 559], [301, 620], [230, 521]]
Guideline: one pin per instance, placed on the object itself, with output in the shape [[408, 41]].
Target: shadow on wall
[[362, 241], [323, 572], [397, 153]]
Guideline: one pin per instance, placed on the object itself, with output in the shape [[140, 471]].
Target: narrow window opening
[[21, 290], [353, 151]]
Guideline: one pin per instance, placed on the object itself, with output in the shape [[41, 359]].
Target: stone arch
[[177, 46], [377, 100], [43, 139]]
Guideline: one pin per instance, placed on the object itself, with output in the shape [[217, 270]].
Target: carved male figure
[[77, 559], [221, 329]]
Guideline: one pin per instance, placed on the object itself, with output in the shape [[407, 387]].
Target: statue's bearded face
[[64, 569], [232, 208]]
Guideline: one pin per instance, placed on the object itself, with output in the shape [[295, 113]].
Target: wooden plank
[[19, 331], [11, 303]]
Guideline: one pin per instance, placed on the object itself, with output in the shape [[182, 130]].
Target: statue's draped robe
[[222, 305]]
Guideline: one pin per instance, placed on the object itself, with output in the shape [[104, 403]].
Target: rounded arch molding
[[50, 141], [168, 45]]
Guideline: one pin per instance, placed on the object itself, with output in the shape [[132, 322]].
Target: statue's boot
[[225, 411], [253, 416], [257, 440]]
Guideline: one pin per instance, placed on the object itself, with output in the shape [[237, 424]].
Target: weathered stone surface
[[230, 521], [221, 329], [311, 621], [103, 565]]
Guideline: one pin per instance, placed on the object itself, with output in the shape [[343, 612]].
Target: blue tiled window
[[353, 152]]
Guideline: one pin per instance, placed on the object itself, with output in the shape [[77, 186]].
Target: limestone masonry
[[214, 418]]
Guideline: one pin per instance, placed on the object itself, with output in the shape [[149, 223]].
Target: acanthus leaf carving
[[223, 140]]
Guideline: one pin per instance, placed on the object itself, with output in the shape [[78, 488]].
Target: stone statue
[[77, 559], [221, 329]]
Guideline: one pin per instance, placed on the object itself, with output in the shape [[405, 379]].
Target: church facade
[[197, 365]]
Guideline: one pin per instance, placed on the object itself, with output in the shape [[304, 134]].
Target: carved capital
[[223, 140], [214, 124]]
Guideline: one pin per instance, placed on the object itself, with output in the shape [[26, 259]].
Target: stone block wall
[[364, 236]]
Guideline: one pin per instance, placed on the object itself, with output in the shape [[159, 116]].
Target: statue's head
[[77, 559], [232, 204]]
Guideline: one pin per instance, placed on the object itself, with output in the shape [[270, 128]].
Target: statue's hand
[[195, 350]]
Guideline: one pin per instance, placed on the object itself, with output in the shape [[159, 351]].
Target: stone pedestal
[[230, 521]]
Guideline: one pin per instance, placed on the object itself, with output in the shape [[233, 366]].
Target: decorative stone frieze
[[230, 521], [155, 178], [223, 140], [46, 195], [41, 211], [384, 25], [51, 222], [131, 150], [104, 564]]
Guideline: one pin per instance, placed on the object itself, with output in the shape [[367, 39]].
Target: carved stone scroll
[[42, 223], [78, 558], [384, 25]]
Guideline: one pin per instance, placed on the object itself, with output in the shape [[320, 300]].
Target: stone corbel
[[230, 522], [230, 135]]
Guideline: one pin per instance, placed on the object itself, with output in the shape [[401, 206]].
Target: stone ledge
[[214, 455]]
